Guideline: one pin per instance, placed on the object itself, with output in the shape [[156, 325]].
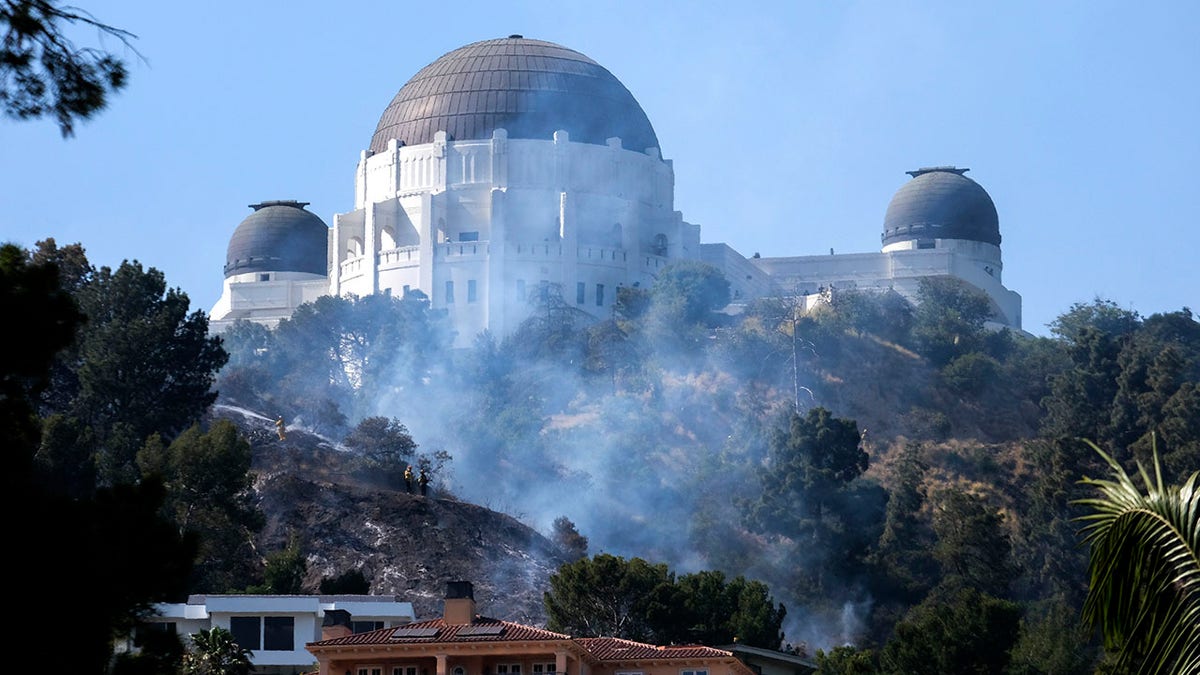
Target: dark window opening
[[471, 290], [246, 631], [279, 633], [580, 293], [599, 295], [365, 626], [468, 236], [264, 277], [449, 292]]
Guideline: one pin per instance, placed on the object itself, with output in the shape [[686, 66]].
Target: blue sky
[[790, 125]]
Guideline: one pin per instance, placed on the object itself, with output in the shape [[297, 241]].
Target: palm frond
[[1144, 568]]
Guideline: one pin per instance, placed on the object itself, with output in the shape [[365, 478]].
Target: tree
[[142, 365], [717, 612], [972, 545], [568, 539], [385, 442], [285, 571], [210, 493], [214, 652], [43, 73], [1144, 568], [847, 660], [689, 290], [350, 582], [134, 556], [810, 495], [633, 599], [609, 596], [949, 319], [966, 632]]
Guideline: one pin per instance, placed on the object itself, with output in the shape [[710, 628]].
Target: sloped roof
[[436, 631], [616, 649]]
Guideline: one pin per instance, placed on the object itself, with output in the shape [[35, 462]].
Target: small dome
[[530, 88], [280, 236], [941, 203]]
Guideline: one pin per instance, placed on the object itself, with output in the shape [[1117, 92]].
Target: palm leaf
[[1144, 568]]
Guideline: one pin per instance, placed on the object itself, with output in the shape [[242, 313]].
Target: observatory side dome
[[280, 236], [530, 88], [941, 203]]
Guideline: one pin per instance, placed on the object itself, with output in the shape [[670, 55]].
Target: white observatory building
[[513, 168]]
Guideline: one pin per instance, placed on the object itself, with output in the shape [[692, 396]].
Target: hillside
[[404, 544]]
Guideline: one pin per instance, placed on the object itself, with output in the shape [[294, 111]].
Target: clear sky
[[790, 125]]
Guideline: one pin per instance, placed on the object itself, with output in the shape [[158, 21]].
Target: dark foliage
[[42, 73]]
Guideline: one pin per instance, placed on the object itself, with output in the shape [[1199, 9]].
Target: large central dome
[[530, 88]]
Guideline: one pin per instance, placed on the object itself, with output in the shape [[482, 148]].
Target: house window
[[471, 290], [544, 668], [370, 670], [693, 672], [365, 626], [264, 277], [468, 236], [599, 295], [630, 672], [459, 670], [449, 292], [580, 292], [521, 290], [279, 633], [404, 670], [508, 669], [246, 631], [925, 243]]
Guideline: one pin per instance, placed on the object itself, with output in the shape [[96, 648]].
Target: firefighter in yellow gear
[[408, 479], [279, 428]]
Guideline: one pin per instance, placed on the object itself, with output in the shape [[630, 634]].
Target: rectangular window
[[544, 668], [449, 292], [521, 297], [404, 670], [365, 626], [508, 669], [469, 236], [247, 631], [370, 670], [471, 290], [599, 295], [693, 672], [279, 633], [580, 293], [264, 277]]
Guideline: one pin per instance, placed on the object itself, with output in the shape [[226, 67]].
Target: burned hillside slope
[[404, 544]]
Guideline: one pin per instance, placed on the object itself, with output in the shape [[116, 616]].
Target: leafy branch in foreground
[[42, 72], [1144, 571]]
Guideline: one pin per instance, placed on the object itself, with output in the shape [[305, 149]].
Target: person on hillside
[[423, 481], [279, 428], [408, 479]]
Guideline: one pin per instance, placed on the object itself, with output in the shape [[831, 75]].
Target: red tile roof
[[616, 649], [506, 631]]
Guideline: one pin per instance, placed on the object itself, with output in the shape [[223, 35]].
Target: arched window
[[618, 235], [387, 238], [354, 247], [659, 247]]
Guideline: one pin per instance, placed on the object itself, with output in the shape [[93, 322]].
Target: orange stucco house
[[464, 643]]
